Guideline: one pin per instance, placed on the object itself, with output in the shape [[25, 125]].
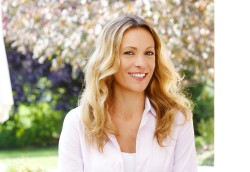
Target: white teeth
[[137, 75]]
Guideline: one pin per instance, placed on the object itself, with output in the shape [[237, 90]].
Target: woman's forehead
[[135, 37]]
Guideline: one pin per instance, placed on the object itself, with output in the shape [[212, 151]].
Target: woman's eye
[[128, 53], [150, 53]]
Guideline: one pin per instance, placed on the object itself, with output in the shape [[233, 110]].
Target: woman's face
[[137, 61]]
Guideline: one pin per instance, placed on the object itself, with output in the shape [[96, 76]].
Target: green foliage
[[202, 94], [206, 131], [34, 124], [205, 142], [42, 98], [203, 97]]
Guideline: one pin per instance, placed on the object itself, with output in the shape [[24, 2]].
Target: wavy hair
[[163, 91]]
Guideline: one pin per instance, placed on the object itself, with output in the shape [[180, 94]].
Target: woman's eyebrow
[[136, 48], [129, 47]]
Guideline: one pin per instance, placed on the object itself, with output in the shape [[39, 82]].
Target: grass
[[45, 159], [40, 159]]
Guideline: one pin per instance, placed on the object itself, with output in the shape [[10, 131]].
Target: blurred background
[[47, 44]]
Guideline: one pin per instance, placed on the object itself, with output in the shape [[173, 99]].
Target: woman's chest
[[149, 158]]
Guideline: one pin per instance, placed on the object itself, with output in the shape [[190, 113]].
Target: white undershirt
[[128, 161]]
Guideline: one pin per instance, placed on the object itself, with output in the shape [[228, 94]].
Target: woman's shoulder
[[73, 116], [182, 118], [183, 125]]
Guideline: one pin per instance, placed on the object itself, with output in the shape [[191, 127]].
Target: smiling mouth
[[138, 75]]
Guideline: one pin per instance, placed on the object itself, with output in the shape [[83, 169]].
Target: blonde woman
[[132, 116]]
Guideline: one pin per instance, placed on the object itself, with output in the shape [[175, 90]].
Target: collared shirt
[[129, 160], [178, 154]]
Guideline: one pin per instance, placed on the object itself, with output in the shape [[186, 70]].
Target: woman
[[132, 115]]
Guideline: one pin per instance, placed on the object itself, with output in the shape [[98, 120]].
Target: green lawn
[[42, 159], [45, 159]]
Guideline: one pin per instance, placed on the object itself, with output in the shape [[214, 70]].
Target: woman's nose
[[140, 61]]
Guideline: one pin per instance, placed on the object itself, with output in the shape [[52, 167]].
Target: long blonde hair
[[163, 91]]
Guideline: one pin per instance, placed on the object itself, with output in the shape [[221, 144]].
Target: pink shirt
[[178, 156]]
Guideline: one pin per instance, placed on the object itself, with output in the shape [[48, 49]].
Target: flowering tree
[[65, 31]]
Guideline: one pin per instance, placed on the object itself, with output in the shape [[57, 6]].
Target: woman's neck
[[127, 105]]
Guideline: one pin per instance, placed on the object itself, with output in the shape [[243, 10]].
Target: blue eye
[[149, 53], [128, 53]]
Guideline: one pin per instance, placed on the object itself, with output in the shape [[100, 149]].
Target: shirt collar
[[149, 107]]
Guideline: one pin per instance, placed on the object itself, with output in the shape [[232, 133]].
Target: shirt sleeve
[[185, 152], [70, 157]]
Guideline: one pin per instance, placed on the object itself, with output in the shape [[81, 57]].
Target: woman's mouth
[[138, 75]]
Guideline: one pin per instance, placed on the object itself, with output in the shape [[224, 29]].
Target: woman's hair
[[163, 91]]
